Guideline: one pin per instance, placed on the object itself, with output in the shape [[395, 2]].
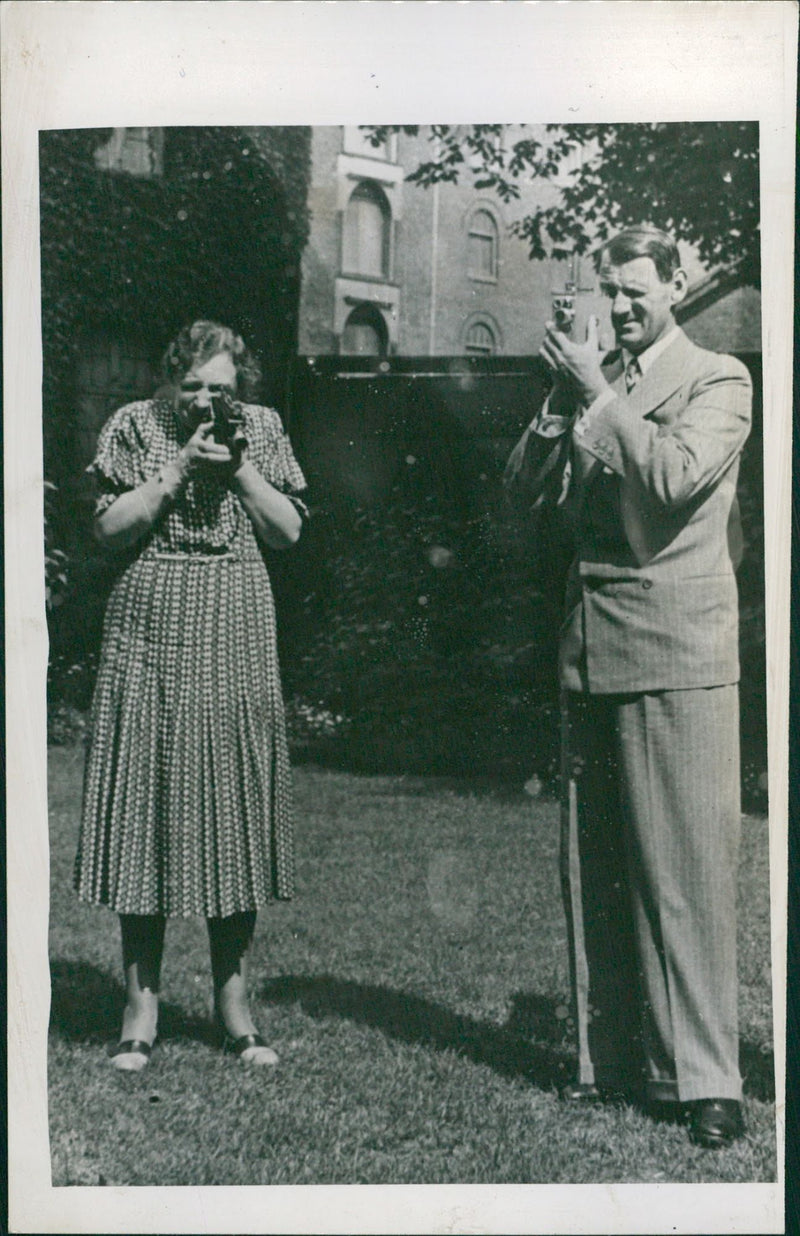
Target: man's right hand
[[575, 367]]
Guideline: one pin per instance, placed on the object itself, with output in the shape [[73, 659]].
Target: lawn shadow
[[540, 1018], [757, 1066], [417, 1020], [535, 1017], [86, 1005], [531, 1044]]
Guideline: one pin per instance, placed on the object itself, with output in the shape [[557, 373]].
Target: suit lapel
[[661, 380], [613, 370]]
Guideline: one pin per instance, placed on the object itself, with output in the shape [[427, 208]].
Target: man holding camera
[[640, 452]]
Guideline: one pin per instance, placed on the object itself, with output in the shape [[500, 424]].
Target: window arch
[[482, 246], [367, 225], [480, 338], [364, 333], [139, 152]]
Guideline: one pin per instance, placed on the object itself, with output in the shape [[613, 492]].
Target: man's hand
[[575, 365]]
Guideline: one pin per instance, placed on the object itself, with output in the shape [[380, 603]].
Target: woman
[[187, 795]]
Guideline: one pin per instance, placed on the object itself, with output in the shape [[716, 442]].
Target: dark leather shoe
[[586, 1092], [715, 1123]]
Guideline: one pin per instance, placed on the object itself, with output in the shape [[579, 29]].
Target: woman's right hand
[[202, 451]]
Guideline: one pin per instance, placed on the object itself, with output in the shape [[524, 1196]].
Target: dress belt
[[164, 555]]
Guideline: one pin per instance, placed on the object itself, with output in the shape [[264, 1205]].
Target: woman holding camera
[[187, 795]]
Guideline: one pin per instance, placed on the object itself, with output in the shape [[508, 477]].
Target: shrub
[[55, 559], [425, 638]]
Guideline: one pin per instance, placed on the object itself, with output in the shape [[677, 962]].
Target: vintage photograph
[[397, 466], [406, 685]]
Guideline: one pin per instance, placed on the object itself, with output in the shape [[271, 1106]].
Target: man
[[640, 452]]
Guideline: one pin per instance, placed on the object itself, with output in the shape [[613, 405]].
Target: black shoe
[[715, 1123], [587, 1092]]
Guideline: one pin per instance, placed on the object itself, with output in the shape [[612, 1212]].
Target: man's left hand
[[576, 363]]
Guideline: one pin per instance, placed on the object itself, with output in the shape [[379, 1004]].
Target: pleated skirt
[[187, 791]]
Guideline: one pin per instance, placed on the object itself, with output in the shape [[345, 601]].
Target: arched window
[[480, 340], [367, 222], [139, 152], [482, 246], [364, 333]]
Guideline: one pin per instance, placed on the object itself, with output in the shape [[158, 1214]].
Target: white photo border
[[232, 62]]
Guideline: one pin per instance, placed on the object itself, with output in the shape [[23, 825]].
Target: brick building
[[143, 229], [394, 269]]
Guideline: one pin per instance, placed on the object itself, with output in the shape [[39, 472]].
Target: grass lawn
[[415, 991]]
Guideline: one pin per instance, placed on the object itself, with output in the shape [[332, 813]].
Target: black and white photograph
[[411, 813]]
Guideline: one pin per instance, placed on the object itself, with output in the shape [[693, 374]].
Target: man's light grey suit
[[649, 665]]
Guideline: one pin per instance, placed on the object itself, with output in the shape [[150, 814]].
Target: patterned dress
[[187, 791]]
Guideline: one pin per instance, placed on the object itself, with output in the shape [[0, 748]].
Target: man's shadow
[[532, 1044]]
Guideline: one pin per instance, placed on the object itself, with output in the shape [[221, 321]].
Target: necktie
[[633, 372], [630, 516]]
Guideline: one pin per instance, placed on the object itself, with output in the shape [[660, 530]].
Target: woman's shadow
[[86, 1005]]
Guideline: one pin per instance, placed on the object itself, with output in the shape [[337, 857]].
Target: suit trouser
[[650, 837]]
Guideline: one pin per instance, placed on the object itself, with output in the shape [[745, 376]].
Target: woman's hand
[[203, 452], [134, 513]]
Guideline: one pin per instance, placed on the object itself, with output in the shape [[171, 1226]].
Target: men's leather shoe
[[586, 1092], [715, 1123]]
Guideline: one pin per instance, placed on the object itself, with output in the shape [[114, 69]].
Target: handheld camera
[[228, 420], [563, 304]]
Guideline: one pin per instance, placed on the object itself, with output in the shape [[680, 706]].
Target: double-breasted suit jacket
[[655, 606], [648, 655]]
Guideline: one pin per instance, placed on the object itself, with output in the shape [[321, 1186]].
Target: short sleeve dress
[[187, 789]]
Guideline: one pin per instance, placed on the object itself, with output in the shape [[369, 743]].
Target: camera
[[564, 312], [227, 418]]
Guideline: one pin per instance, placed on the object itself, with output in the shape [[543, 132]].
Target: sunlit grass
[[415, 991]]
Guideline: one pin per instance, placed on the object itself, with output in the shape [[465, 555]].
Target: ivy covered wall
[[135, 242], [217, 232]]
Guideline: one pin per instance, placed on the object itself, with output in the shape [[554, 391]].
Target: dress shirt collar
[[650, 354]]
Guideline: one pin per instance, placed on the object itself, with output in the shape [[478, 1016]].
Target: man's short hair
[[643, 241]]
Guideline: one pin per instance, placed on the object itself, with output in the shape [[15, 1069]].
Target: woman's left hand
[[238, 452], [225, 458]]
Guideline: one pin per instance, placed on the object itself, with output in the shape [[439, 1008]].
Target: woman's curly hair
[[196, 344]]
